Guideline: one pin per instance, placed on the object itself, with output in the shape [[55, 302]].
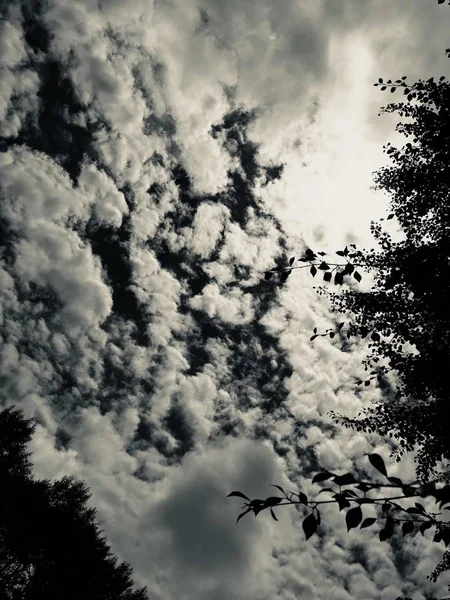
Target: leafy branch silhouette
[[390, 514], [339, 270]]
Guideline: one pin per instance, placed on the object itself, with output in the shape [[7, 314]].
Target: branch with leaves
[[315, 264], [391, 515]]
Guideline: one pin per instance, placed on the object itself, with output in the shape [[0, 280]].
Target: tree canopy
[[405, 312], [405, 316], [50, 544], [408, 304]]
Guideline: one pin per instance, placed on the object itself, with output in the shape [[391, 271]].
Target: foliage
[[393, 515], [406, 310], [50, 545], [404, 316]]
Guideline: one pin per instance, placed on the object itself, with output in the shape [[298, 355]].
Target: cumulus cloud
[[155, 159]]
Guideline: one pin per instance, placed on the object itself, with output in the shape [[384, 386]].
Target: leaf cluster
[[392, 518], [336, 272]]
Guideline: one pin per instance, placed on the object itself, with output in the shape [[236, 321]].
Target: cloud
[[19, 82], [155, 160], [191, 521]]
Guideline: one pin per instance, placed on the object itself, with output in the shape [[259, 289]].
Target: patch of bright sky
[[326, 184]]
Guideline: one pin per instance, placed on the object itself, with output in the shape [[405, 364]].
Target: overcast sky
[[157, 157]]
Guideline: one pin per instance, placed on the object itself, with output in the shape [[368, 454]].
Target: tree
[[50, 545], [405, 313], [407, 306]]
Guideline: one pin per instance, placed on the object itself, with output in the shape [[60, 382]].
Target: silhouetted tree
[[50, 545], [406, 311], [405, 315]]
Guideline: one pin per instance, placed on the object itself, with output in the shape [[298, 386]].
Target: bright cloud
[[155, 159]]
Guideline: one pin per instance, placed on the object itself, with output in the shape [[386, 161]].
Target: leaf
[[257, 509], [349, 268], [309, 525], [313, 270], [413, 510], [441, 1], [389, 217], [408, 491], [313, 337], [445, 535], [292, 260], [407, 527], [272, 501], [388, 530], [380, 80], [346, 479], [340, 326], [242, 514], [342, 501], [420, 507], [322, 476], [375, 336], [302, 498], [239, 495], [393, 89], [353, 517], [340, 253], [324, 266], [377, 462], [315, 330], [339, 278], [268, 275], [273, 515], [278, 488], [363, 487], [424, 526], [383, 88], [332, 334], [368, 522], [357, 276], [327, 276], [285, 275]]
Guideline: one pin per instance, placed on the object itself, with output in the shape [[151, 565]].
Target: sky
[[156, 157]]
